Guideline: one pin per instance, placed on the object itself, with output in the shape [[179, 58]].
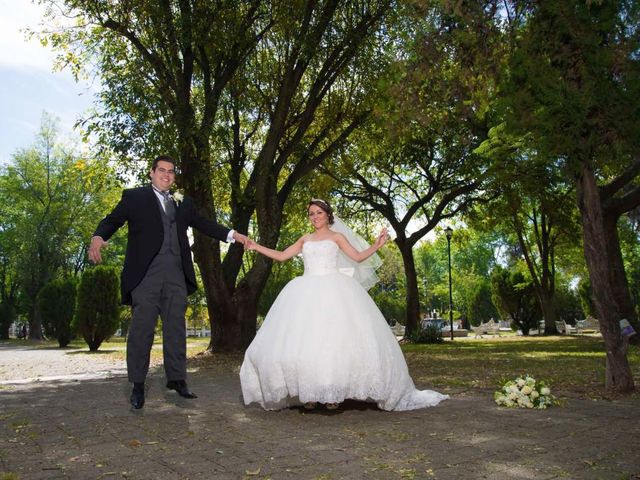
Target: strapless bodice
[[320, 257]]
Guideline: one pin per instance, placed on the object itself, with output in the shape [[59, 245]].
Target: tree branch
[[608, 191]]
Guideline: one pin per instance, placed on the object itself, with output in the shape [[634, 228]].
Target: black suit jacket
[[141, 209]]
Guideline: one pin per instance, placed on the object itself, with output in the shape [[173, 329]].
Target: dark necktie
[[169, 208]]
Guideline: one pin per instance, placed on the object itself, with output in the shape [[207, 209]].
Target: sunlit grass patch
[[572, 365]]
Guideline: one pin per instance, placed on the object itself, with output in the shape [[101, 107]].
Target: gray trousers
[[161, 292]]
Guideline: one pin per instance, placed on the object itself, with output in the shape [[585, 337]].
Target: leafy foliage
[[586, 300], [7, 317], [57, 305], [475, 302], [568, 304], [56, 196], [473, 255], [98, 312], [429, 333], [250, 96], [515, 298]]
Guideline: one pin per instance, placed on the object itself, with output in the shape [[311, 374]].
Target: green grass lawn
[[573, 365]]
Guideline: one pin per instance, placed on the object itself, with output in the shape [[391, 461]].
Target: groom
[[158, 271]]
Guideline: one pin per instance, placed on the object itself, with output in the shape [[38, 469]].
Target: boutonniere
[[177, 196]]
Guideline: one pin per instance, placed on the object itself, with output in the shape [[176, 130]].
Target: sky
[[28, 84]]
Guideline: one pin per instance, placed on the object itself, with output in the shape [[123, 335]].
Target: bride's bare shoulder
[[305, 238], [338, 237]]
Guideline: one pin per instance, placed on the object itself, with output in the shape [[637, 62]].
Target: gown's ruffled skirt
[[324, 340]]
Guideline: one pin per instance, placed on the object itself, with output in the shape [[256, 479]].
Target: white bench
[[398, 330], [485, 328], [567, 329], [588, 323]]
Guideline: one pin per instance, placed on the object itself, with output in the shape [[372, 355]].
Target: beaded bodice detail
[[320, 257]]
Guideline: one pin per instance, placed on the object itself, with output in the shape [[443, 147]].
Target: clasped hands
[[245, 241]]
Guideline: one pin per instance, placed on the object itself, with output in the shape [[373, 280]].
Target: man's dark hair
[[162, 158]]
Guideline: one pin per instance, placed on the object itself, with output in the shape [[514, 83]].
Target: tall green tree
[[9, 287], [532, 203], [415, 185], [414, 165], [473, 257], [573, 85], [55, 195], [177, 77]]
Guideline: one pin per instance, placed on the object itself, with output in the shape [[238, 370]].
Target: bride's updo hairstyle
[[324, 206]]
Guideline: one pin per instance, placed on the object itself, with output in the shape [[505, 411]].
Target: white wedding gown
[[324, 340]]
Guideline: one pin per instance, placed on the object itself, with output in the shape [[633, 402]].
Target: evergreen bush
[[514, 295], [57, 304], [7, 317], [427, 334], [98, 312]]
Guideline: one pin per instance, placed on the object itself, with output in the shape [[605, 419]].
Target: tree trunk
[[618, 277], [543, 284], [232, 309], [35, 323], [619, 282], [412, 320], [549, 310], [597, 240]]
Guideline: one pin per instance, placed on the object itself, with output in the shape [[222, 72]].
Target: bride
[[324, 340]]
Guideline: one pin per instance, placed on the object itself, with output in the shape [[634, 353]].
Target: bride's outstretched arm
[[277, 255], [357, 256]]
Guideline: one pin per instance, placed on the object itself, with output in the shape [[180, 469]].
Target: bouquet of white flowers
[[524, 392]]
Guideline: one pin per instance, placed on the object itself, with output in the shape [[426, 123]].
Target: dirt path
[[23, 364], [81, 426]]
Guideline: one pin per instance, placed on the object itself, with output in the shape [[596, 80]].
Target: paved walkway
[[85, 430], [26, 363]]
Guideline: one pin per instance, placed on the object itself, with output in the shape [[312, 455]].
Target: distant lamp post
[[426, 302], [449, 233]]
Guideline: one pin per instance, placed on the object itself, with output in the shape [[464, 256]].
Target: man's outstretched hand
[[94, 249]]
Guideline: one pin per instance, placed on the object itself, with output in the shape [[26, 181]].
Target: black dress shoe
[[137, 398], [180, 386]]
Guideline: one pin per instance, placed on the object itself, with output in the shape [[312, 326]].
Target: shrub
[[514, 295], [7, 317], [426, 334], [392, 305], [57, 304], [125, 320], [568, 303], [98, 311], [586, 300]]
